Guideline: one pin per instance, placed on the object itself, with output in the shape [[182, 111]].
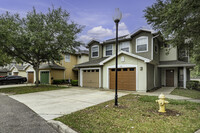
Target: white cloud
[[123, 30], [101, 33]]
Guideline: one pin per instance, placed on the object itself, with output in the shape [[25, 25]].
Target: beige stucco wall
[[163, 76], [141, 75], [84, 58], [167, 57], [57, 74], [14, 70], [69, 73], [22, 73]]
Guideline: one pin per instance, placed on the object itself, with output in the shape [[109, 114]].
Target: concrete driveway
[[53, 104]]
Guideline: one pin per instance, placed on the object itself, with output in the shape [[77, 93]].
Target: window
[[124, 46], [67, 58], [142, 44], [95, 51], [109, 50]]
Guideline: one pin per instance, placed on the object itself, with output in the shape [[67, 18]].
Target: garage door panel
[[91, 78], [126, 79]]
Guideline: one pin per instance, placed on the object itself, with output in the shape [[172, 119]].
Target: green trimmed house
[[142, 61]]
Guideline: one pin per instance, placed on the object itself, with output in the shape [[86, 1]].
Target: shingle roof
[[3, 70], [51, 66], [21, 68], [94, 62], [175, 63]]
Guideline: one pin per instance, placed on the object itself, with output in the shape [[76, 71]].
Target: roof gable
[[126, 53]]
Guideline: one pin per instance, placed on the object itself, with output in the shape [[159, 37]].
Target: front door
[[170, 78]]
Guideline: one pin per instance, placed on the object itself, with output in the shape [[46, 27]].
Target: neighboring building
[[70, 60], [142, 61], [3, 71]]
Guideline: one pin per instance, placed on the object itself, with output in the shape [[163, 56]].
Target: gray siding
[[150, 76], [156, 55], [100, 51], [143, 54]]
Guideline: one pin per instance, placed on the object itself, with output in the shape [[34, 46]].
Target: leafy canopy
[[179, 21], [38, 37]]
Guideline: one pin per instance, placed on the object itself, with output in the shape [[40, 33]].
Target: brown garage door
[[30, 77], [91, 78], [126, 78]]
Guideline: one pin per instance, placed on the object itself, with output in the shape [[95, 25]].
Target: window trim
[[97, 51], [146, 37], [106, 50], [66, 58], [120, 46]]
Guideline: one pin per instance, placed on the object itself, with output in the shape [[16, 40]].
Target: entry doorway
[[170, 78]]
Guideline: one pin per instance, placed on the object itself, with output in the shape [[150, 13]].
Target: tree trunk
[[37, 75]]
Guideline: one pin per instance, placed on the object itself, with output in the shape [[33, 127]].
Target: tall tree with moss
[[38, 37], [178, 21]]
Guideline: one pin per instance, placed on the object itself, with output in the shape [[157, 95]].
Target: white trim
[[92, 51], [81, 75], [184, 77], [122, 66], [26, 67], [67, 59], [126, 42], [141, 37], [126, 53], [105, 50]]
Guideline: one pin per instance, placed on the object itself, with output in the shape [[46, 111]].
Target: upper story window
[[109, 50], [67, 58], [95, 51], [142, 44], [124, 46]]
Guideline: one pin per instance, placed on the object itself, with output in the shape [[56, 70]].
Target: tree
[[4, 58], [179, 22], [38, 37]]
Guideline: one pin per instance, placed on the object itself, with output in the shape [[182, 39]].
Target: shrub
[[194, 85], [74, 82], [62, 81], [58, 81]]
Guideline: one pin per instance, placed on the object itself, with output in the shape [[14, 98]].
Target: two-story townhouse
[[142, 61], [48, 71]]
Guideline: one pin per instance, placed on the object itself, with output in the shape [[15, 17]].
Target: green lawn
[[136, 114], [186, 93], [30, 89]]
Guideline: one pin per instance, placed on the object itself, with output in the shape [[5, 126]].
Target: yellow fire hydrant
[[161, 103]]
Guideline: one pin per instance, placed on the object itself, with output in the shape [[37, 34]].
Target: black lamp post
[[117, 17]]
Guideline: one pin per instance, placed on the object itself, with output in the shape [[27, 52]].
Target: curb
[[60, 127]]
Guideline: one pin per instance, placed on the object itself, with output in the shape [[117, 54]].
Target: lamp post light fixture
[[117, 17]]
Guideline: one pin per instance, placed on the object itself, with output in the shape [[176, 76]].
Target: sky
[[94, 15]]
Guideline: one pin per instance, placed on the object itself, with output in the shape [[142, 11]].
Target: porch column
[[184, 77]]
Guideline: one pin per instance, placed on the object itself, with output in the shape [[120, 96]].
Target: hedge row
[[193, 85], [66, 81]]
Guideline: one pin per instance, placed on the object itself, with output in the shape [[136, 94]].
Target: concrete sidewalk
[[166, 91]]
